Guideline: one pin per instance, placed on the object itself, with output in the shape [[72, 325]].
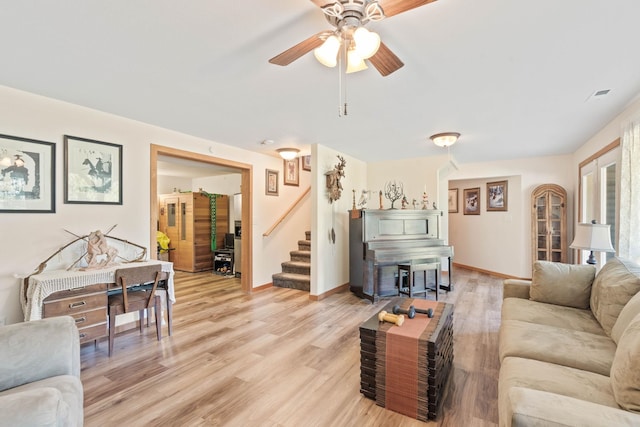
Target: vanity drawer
[[93, 332], [83, 290], [76, 304], [90, 318]]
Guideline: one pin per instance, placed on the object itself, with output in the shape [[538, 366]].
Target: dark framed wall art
[[271, 182], [92, 171], [292, 172], [497, 196], [27, 175], [472, 201], [453, 200]]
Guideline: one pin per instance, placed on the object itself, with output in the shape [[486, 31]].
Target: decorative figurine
[[364, 198], [393, 192], [381, 207], [333, 180], [434, 205], [425, 200], [404, 202], [414, 203], [354, 199]]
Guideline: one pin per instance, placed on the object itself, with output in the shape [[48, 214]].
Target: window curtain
[[629, 238]]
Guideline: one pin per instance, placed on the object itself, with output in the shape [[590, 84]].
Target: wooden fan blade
[[385, 61], [302, 48], [394, 7]]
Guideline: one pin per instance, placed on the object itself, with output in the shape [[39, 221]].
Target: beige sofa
[[40, 374], [570, 346]]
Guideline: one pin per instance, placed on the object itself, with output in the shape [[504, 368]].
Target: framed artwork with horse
[[27, 175], [92, 171]]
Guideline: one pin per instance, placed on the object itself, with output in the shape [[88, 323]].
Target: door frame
[[246, 171]]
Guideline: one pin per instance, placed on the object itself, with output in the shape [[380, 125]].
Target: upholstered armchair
[[40, 374]]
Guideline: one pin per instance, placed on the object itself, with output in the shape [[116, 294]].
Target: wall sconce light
[[592, 237], [445, 139], [288, 153]]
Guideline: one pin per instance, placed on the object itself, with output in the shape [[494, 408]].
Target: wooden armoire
[[186, 219]]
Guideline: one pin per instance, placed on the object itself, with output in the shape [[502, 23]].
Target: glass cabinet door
[[549, 223]]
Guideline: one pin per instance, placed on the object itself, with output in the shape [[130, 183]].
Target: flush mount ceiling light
[[288, 153], [445, 139]]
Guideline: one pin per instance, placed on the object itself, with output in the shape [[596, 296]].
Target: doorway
[[246, 172]]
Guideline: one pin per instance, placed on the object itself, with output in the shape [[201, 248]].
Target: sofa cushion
[[631, 310], [613, 287], [625, 370], [558, 379], [550, 314], [575, 349], [562, 284]]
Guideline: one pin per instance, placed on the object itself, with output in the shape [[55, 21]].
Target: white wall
[[506, 250], [329, 261], [167, 184], [221, 184], [28, 239], [493, 240]]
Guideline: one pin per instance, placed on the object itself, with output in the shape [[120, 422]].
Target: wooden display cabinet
[[549, 223]]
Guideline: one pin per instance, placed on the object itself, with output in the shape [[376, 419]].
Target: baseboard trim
[[262, 287], [489, 272], [330, 292]]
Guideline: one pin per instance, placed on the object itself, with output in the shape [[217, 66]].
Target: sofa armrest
[[528, 408], [38, 407], [31, 351], [516, 288]]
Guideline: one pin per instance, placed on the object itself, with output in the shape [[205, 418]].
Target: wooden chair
[[135, 297], [163, 292]]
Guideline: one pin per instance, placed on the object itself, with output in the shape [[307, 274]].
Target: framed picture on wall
[[453, 200], [271, 182], [472, 201], [306, 163], [27, 175], [292, 172], [497, 196], [92, 171]]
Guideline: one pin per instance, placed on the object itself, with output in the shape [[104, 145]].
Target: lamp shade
[[288, 153], [593, 237], [445, 139], [355, 62], [327, 53], [367, 42]]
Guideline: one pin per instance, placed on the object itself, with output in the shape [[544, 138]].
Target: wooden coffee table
[[405, 368]]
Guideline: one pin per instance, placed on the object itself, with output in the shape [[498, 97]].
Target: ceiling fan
[[350, 38]]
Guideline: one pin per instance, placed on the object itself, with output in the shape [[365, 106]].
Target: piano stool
[[411, 270]]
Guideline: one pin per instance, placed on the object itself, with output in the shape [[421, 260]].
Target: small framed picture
[[472, 201], [27, 175], [92, 171], [306, 163], [292, 172], [271, 182], [497, 196], [453, 200]]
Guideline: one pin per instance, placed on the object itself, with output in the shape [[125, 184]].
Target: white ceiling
[[514, 77]]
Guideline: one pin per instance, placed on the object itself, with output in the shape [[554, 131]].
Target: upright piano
[[379, 240]]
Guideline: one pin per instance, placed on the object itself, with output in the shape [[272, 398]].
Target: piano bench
[[411, 270]]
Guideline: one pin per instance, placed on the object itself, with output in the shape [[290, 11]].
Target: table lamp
[[594, 238]]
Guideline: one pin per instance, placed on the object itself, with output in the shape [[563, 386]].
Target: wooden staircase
[[296, 274]]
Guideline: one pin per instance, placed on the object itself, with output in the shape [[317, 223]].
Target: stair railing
[[287, 212]]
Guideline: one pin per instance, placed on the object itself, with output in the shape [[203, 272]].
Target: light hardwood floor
[[275, 358]]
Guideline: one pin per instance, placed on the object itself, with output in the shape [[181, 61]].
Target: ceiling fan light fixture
[[288, 153], [445, 139], [367, 42], [355, 62], [327, 53]]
